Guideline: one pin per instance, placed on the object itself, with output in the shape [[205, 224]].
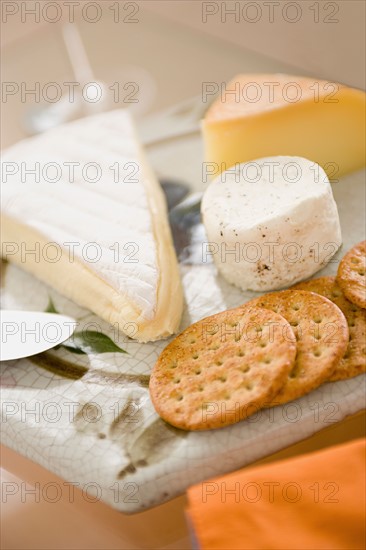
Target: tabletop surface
[[71, 521]]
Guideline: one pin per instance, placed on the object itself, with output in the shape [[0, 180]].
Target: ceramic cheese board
[[88, 417]]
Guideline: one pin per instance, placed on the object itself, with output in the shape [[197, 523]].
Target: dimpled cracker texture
[[351, 275], [321, 331], [223, 368], [353, 362]]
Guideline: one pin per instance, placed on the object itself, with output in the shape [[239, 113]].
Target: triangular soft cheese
[[84, 198]]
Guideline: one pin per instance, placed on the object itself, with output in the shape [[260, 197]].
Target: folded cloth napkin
[[314, 501]]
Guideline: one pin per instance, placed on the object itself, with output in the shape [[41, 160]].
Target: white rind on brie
[[271, 222], [114, 252]]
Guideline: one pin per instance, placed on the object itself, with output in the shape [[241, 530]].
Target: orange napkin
[[315, 501]]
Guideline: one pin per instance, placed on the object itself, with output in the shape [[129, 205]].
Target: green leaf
[[91, 341], [51, 306], [70, 346], [86, 341]]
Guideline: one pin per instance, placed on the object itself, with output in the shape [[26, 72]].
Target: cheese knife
[[26, 333]]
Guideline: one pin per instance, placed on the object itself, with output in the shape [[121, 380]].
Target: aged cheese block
[[261, 115], [270, 223], [83, 211]]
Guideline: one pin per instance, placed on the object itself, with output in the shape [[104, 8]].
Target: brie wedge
[[83, 211], [270, 222]]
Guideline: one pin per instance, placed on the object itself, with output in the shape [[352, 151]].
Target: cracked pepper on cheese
[[271, 222]]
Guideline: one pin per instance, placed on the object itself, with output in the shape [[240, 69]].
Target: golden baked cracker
[[322, 337], [223, 368], [353, 362], [351, 275]]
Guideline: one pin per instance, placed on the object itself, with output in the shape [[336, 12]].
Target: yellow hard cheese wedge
[[262, 115]]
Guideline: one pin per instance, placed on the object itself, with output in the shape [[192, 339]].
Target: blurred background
[[152, 57], [153, 54]]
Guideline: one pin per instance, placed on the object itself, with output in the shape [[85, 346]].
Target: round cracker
[[322, 337], [223, 368], [353, 362], [351, 275]]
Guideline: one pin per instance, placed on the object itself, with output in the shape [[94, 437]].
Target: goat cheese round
[[270, 222]]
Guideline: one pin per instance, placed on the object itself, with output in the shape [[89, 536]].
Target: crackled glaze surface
[[92, 419]]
